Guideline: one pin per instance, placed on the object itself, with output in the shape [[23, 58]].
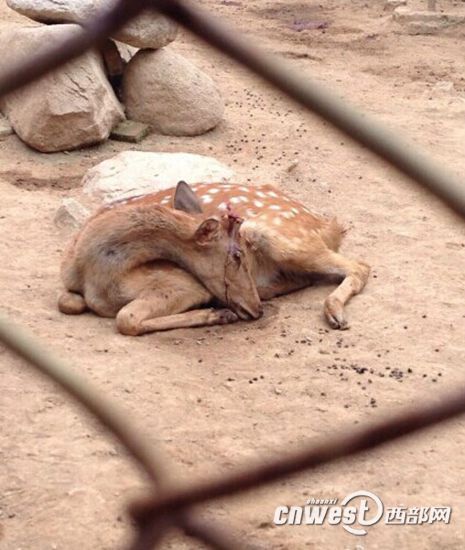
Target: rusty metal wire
[[170, 508], [114, 420], [25, 346], [345, 444], [361, 127], [69, 46]]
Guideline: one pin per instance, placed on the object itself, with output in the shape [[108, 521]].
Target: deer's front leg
[[355, 275], [315, 257], [132, 319], [141, 317]]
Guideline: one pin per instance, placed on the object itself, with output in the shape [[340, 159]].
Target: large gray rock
[[68, 108], [147, 30], [168, 92], [136, 173]]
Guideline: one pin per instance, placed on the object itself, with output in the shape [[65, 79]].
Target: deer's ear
[[185, 199], [207, 232]]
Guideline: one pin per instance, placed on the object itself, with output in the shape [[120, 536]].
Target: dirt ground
[[215, 399]]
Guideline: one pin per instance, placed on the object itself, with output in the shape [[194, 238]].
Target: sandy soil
[[214, 399]]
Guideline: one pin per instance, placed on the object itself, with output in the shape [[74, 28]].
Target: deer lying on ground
[[153, 260]]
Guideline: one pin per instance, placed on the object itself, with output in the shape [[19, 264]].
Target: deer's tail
[[332, 234]]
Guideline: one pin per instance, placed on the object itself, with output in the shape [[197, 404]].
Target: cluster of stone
[[135, 75], [133, 173], [429, 19]]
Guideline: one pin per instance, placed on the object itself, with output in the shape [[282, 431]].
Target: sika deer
[[111, 266], [281, 245], [286, 243]]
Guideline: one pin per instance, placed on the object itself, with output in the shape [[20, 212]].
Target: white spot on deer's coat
[[261, 194], [272, 194], [275, 207], [295, 210], [258, 204], [235, 200], [213, 191], [288, 215], [278, 221], [222, 206], [206, 199]]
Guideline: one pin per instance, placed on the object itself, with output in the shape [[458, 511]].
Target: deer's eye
[[237, 256]]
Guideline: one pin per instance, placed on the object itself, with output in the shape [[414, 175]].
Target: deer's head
[[223, 266]]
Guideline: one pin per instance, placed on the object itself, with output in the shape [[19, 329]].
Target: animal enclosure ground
[[216, 398]]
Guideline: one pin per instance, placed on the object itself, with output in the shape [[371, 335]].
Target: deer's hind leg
[[166, 302]]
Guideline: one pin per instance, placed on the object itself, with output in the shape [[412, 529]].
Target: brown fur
[[114, 263]]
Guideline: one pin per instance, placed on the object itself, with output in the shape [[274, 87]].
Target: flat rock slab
[[147, 30], [136, 173], [426, 22], [130, 131], [393, 4]]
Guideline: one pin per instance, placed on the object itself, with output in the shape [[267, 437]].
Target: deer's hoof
[[227, 316], [71, 303], [334, 313]]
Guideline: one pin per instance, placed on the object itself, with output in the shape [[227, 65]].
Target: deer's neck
[[133, 236]]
